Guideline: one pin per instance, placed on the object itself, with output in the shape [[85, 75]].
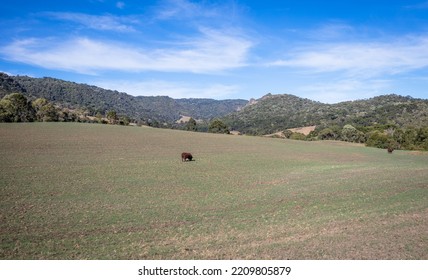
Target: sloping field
[[81, 191]]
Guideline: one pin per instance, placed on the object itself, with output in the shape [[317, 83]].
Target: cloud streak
[[338, 90], [361, 59], [419, 6], [97, 22], [172, 89], [184, 10], [211, 51]]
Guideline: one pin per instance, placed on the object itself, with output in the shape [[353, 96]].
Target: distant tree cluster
[[211, 126], [16, 107], [379, 136]]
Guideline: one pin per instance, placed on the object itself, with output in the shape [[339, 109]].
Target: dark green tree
[[422, 138], [124, 120], [217, 126], [15, 108], [381, 140], [112, 117], [191, 125], [45, 111], [327, 134]]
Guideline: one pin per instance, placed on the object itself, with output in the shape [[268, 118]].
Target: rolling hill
[[162, 109], [269, 114], [273, 113]]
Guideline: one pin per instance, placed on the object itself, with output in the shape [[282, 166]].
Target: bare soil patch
[[304, 130]]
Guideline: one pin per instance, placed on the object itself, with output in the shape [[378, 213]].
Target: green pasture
[[89, 191]]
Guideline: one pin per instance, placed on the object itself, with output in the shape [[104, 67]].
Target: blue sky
[[328, 51]]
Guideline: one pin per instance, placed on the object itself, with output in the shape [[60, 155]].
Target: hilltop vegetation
[[92, 100], [273, 113], [385, 121]]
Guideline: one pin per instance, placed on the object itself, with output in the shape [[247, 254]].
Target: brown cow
[[186, 156]]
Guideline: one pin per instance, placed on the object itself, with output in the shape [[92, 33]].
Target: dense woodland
[[385, 121], [159, 111], [273, 113]]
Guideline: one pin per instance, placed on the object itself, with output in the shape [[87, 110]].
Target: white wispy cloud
[[340, 71], [210, 51], [373, 57], [171, 89], [331, 30], [182, 9], [365, 59], [120, 5], [97, 22], [418, 6], [342, 89]]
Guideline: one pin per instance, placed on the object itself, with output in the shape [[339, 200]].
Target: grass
[[81, 191]]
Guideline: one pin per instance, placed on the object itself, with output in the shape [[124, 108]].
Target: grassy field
[[82, 191]]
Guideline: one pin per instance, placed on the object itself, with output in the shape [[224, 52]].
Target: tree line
[[16, 107], [158, 111], [379, 136]]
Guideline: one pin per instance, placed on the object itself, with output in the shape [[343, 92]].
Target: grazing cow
[[186, 156], [390, 150]]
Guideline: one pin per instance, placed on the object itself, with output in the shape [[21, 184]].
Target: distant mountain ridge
[[162, 109], [266, 115]]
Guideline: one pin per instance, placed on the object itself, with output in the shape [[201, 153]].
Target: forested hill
[[273, 113], [269, 114], [98, 100]]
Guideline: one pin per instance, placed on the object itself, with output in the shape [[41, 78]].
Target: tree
[[381, 140], [351, 134], [15, 108], [287, 133], [45, 111], [124, 120], [422, 138], [191, 125], [112, 117], [6, 114], [217, 126], [327, 134]]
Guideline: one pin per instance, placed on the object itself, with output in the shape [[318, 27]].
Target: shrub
[[298, 136], [381, 140], [351, 134]]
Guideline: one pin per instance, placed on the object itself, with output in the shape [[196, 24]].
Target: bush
[[351, 134], [298, 136], [381, 140], [327, 134]]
